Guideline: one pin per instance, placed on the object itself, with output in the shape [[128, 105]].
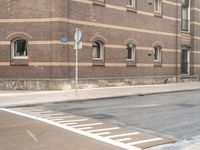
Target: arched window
[[19, 48], [98, 50], [157, 53], [131, 51]]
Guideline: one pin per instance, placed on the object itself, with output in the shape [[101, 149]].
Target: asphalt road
[[174, 115]]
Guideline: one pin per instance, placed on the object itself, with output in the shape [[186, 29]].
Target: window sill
[[98, 62], [188, 32], [19, 62], [20, 58], [157, 64], [96, 2], [157, 14], [131, 9], [130, 63]]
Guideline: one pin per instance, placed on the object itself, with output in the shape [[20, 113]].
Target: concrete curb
[[80, 99]]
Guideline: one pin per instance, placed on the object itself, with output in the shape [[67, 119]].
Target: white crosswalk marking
[[60, 117], [78, 120], [73, 128], [145, 141], [53, 114], [123, 140], [32, 108], [121, 135], [86, 128], [74, 123], [85, 125], [105, 129], [42, 112], [103, 133], [91, 128], [55, 119]]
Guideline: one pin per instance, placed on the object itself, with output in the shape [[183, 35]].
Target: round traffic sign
[[78, 35], [63, 39]]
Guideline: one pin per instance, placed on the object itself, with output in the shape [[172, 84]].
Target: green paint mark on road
[[32, 135]]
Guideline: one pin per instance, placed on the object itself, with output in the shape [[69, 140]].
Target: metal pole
[[76, 69]]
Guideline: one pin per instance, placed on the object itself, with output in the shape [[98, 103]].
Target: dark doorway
[[184, 62]]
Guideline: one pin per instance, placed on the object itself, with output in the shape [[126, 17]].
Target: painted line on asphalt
[[145, 141], [74, 123], [32, 135], [57, 117], [121, 135], [86, 128], [90, 124], [103, 133], [84, 133], [105, 129], [78, 120], [143, 106], [63, 121], [63, 117], [54, 119], [123, 140], [32, 108], [50, 113]]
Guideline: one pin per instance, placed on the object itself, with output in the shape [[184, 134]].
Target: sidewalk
[[15, 98]]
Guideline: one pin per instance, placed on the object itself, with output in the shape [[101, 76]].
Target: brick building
[[125, 42]]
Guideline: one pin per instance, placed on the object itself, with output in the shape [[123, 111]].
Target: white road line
[[121, 135], [143, 106], [62, 121], [54, 119], [52, 113], [78, 120], [86, 128], [60, 117], [105, 129], [31, 108], [103, 133], [74, 123], [85, 125], [42, 112], [145, 141], [123, 140], [84, 133]]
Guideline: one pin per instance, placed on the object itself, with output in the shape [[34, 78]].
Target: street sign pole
[[76, 69], [78, 45]]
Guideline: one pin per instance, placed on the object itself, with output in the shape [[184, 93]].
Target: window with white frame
[[98, 50], [132, 3], [19, 49], [98, 1], [185, 15], [131, 51], [158, 6], [157, 53]]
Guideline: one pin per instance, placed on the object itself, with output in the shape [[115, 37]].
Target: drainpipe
[[177, 40]]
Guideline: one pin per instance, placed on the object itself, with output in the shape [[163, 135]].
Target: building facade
[[125, 42]]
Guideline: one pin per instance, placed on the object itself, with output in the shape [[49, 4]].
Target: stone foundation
[[67, 84]]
